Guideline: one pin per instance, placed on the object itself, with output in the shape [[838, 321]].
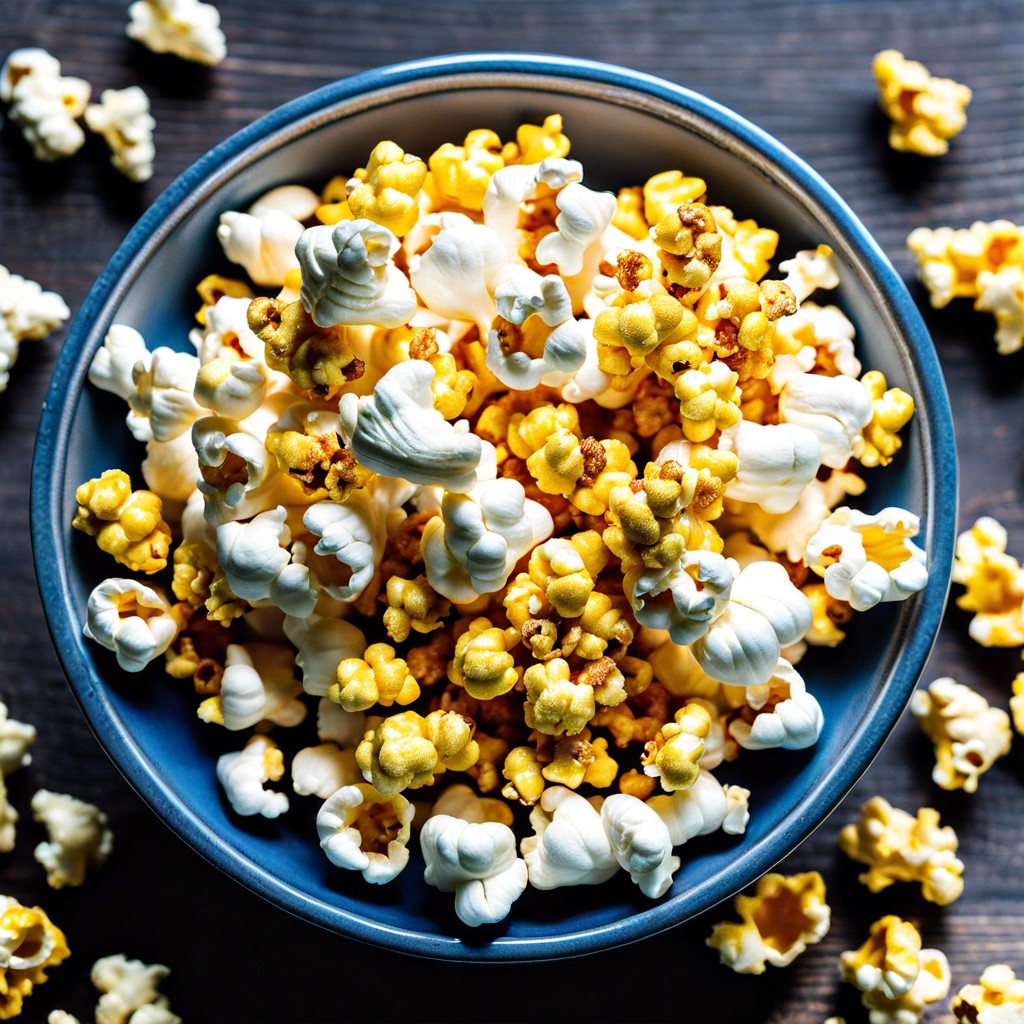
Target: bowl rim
[[467, 70]]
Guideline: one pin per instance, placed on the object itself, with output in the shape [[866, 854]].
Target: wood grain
[[798, 68]]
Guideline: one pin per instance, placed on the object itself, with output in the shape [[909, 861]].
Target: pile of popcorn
[[537, 488]]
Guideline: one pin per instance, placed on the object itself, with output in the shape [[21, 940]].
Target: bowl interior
[[623, 127]]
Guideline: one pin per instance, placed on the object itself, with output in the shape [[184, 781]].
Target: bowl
[[624, 126]]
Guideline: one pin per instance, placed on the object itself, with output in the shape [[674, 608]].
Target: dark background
[[799, 69]]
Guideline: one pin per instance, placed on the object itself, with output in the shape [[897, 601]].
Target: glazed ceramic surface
[[624, 126]]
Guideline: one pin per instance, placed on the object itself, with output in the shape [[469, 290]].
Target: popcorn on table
[[994, 582], [515, 478], [122, 117], [30, 944], [187, 28], [128, 992], [78, 837], [997, 996], [27, 313]]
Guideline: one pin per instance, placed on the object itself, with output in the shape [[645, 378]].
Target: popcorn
[[459, 801], [30, 944], [1002, 295], [673, 755], [891, 411], [641, 843], [709, 400], [161, 400], [835, 409], [582, 218], [810, 270], [232, 390], [778, 713], [998, 996], [926, 111], [376, 678], [560, 702], [27, 313], [385, 190], [1017, 703], [994, 584], [258, 685], [78, 837], [134, 621], [704, 807], [363, 830], [323, 769], [461, 174], [969, 735], [122, 117], [242, 775], [43, 103], [482, 662], [187, 28], [477, 861], [129, 992], [15, 739], [776, 462], [899, 847], [896, 976], [785, 915]]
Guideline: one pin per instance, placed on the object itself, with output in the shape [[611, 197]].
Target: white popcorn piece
[[162, 399], [784, 714], [171, 468], [264, 245], [324, 645], [590, 382], [380, 849], [473, 546], [8, 821], [866, 559], [61, 1017], [43, 103], [297, 201], [582, 219], [524, 301], [233, 463], [113, 364], [570, 845], [258, 685], [705, 807], [122, 117], [27, 313], [460, 801], [834, 409], [78, 837], [128, 988], [258, 565], [350, 278], [336, 725], [134, 621], [477, 861], [15, 739], [641, 843], [823, 327], [187, 28], [352, 535], [1001, 293], [226, 334], [231, 389], [242, 775], [323, 769], [776, 462], [810, 270], [765, 613]]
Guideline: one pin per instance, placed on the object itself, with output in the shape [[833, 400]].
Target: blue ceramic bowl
[[624, 126]]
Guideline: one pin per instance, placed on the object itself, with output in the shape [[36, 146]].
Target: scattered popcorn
[[994, 582], [30, 944], [897, 978], [43, 103], [926, 111], [898, 847], [187, 28], [78, 837], [61, 1017], [1002, 295], [969, 734], [785, 915], [998, 996], [122, 117], [242, 775], [15, 739], [27, 313], [263, 243], [129, 992]]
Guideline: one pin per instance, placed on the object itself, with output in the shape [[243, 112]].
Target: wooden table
[[800, 69]]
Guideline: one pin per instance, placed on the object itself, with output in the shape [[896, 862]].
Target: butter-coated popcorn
[[747, 247], [77, 837], [673, 755], [378, 677], [363, 830], [187, 28], [892, 409], [482, 663], [385, 190], [258, 685], [461, 173], [969, 734], [786, 914], [709, 400], [1017, 703], [478, 862], [27, 313], [997, 996], [899, 847], [31, 945], [413, 606], [134, 621], [243, 774], [994, 582], [1002, 295], [566, 570], [129, 992], [122, 117], [926, 111]]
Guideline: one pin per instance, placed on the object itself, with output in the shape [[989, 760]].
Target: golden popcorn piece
[[629, 212], [385, 190], [606, 623], [892, 409], [566, 569], [528, 432], [899, 847], [828, 613], [607, 465], [926, 111], [665, 192], [214, 287], [36, 944], [604, 769], [319, 462], [525, 776], [482, 663], [994, 583], [625, 728], [747, 248], [562, 462], [785, 915], [412, 606], [556, 703], [376, 678], [541, 142], [997, 997], [689, 250], [317, 359], [487, 770], [451, 387], [709, 400], [633, 783], [126, 524], [673, 754], [459, 175], [566, 759]]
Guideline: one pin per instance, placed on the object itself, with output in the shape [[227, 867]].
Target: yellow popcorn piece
[[561, 701], [899, 847], [126, 524], [562, 461], [892, 409], [605, 622], [528, 432], [525, 776], [543, 141], [709, 400], [566, 569], [747, 248], [412, 606], [525, 598], [385, 190], [785, 915], [607, 465], [1017, 703], [997, 997], [673, 754], [969, 734], [665, 192], [459, 175], [406, 751], [629, 212], [926, 111], [566, 759], [451, 387], [482, 663], [828, 613], [689, 249], [214, 287], [994, 583], [199, 580], [31, 944], [334, 206], [318, 462], [377, 678], [604, 769]]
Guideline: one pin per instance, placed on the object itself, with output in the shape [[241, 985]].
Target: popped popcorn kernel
[[747, 248], [78, 837], [482, 663], [214, 287], [187, 28], [385, 190], [200, 580], [318, 462], [1002, 295], [243, 774], [997, 996], [926, 111], [709, 400], [994, 582], [673, 754], [899, 847], [629, 212], [542, 142], [639, 326], [524, 773], [126, 524], [378, 677], [27, 313], [566, 569], [785, 915], [892, 409], [969, 734], [31, 944], [129, 991], [460, 174], [689, 249], [412, 606], [664, 192], [122, 117], [827, 615]]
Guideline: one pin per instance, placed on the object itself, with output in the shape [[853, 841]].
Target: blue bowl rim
[[920, 626]]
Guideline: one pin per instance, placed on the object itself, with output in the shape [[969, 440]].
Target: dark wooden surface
[[798, 68]]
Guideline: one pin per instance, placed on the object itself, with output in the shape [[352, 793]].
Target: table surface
[[799, 69]]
